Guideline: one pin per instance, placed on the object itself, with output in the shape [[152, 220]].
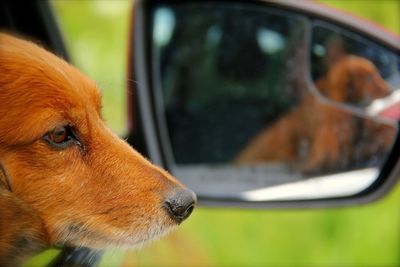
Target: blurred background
[[96, 34]]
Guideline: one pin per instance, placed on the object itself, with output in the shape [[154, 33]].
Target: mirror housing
[[148, 124]]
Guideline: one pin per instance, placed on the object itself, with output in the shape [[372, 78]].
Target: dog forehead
[[361, 65], [71, 90], [33, 74]]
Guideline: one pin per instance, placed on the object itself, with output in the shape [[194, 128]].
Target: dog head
[[355, 80], [89, 187]]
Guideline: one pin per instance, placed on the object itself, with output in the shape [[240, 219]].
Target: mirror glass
[[260, 104]]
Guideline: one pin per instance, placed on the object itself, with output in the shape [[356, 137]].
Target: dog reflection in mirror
[[353, 80], [319, 136], [66, 178]]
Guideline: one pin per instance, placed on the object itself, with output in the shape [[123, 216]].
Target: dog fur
[[319, 135], [353, 80], [97, 192]]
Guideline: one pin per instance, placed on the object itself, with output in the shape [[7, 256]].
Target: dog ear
[[337, 89], [4, 178], [4, 181], [350, 92], [22, 233]]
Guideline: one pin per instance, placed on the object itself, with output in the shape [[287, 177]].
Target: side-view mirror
[[267, 104]]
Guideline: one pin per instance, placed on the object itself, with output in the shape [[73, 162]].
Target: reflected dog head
[[355, 80]]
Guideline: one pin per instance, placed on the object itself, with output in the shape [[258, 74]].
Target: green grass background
[[96, 34]]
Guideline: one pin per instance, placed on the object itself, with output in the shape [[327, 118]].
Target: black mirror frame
[[142, 97]]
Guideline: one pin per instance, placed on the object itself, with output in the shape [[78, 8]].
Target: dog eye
[[61, 137]]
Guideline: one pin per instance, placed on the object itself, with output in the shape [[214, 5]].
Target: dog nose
[[181, 204]]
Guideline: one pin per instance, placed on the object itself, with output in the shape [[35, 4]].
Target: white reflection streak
[[335, 185], [164, 24], [378, 105]]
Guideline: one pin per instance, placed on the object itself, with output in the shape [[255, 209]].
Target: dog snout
[[181, 204]]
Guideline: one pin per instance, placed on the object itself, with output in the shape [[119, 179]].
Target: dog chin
[[137, 242], [76, 235]]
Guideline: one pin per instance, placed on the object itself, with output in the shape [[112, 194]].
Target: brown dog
[[67, 179], [320, 136]]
